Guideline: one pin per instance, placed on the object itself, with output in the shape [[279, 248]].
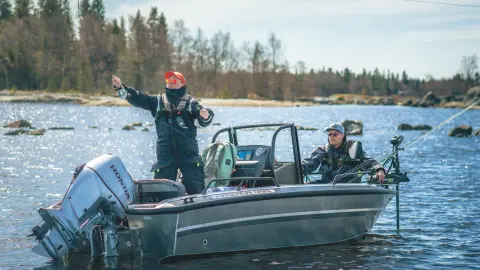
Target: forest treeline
[[40, 49]]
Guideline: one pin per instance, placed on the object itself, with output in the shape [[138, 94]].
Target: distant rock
[[19, 124], [422, 127], [15, 132], [61, 128], [352, 127], [405, 126], [472, 94], [429, 100], [35, 132], [461, 131], [305, 128], [145, 129], [128, 127]]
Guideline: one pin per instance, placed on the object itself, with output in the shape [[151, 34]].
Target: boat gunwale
[[229, 197]]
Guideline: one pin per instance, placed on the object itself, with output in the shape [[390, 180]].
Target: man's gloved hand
[[117, 83], [380, 176], [204, 114]]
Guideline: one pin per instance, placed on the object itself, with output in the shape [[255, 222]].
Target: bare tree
[[180, 39], [275, 45], [469, 66]]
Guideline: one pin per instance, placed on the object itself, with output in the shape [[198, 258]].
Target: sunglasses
[[333, 134], [171, 81]]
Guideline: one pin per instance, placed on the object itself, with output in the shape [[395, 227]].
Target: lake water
[[440, 207]]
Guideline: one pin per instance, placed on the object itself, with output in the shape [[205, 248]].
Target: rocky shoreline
[[429, 100], [352, 127]]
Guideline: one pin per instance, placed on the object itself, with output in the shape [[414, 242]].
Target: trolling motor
[[395, 177]]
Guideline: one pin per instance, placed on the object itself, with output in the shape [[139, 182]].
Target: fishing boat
[[265, 204]]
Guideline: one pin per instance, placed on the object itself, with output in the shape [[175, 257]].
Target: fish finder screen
[[245, 154]]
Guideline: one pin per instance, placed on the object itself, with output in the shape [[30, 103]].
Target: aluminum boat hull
[[256, 219]]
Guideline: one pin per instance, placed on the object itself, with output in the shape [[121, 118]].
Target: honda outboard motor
[[94, 202]]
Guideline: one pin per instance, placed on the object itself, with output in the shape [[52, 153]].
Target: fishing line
[[412, 142], [442, 3]]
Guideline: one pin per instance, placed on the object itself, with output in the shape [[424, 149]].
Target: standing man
[[340, 156], [175, 112]]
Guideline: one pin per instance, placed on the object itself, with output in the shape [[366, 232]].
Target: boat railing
[[250, 181]]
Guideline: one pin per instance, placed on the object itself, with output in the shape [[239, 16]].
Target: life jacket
[[353, 152], [219, 159], [165, 105], [175, 129]]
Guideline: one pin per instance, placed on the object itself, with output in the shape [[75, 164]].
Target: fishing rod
[[397, 177], [397, 149]]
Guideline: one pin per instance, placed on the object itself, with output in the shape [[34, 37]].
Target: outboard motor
[[94, 202]]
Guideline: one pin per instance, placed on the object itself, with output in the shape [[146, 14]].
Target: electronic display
[[244, 154]]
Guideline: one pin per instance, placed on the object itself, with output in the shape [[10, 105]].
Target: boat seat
[[157, 190], [286, 174], [248, 168]]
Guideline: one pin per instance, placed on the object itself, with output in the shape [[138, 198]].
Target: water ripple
[[439, 207]]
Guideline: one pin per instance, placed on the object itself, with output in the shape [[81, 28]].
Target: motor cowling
[[97, 196]]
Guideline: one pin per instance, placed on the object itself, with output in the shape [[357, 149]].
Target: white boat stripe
[[209, 224], [175, 240]]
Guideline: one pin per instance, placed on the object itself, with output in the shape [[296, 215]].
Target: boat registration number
[[242, 193]]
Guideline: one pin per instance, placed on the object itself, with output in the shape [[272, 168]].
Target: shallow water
[[440, 211]]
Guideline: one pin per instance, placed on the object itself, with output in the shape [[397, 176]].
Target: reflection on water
[[351, 255], [439, 207]]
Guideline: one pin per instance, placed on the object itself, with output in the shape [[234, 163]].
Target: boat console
[[252, 161]]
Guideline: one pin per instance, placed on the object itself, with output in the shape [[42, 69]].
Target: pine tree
[[5, 9], [98, 9], [153, 17], [49, 8], [115, 27], [23, 8], [84, 8], [405, 78], [67, 13], [163, 22]]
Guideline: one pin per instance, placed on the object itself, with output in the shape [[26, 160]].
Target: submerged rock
[[405, 126], [128, 127], [19, 124], [15, 132], [461, 131], [352, 127], [422, 127], [61, 128], [35, 132], [305, 128]]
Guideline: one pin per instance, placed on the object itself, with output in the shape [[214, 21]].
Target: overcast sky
[[394, 35]]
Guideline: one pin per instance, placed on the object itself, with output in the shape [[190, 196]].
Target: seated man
[[340, 156]]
